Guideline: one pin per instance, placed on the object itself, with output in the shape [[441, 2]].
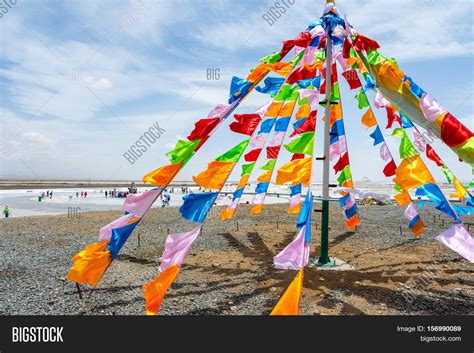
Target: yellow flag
[[297, 172], [369, 119], [162, 176], [274, 110], [412, 173], [287, 109], [289, 304], [215, 175], [461, 192], [155, 291], [303, 112], [243, 181], [90, 264]]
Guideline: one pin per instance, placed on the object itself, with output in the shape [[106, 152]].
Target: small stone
[[322, 296], [215, 264], [316, 313], [231, 303], [321, 279], [357, 283], [273, 289], [233, 308]]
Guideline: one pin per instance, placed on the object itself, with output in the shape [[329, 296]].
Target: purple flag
[[139, 204], [295, 256], [176, 248], [458, 239]]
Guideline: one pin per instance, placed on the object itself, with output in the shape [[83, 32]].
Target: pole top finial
[[330, 1]]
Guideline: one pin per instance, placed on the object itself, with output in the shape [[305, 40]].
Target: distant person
[[85, 194], [51, 194], [6, 211], [77, 194], [106, 193], [47, 193], [82, 193]]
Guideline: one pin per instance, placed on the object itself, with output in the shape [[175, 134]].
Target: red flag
[[246, 124], [252, 156], [342, 163], [297, 157], [346, 49], [287, 46], [333, 73], [431, 154], [362, 43], [295, 77], [322, 43], [453, 132], [352, 79], [273, 151], [203, 128], [308, 126], [392, 118], [390, 169], [304, 39]]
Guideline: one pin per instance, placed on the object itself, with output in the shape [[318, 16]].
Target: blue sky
[[80, 82]]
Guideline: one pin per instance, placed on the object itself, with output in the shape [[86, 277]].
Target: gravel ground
[[229, 270]]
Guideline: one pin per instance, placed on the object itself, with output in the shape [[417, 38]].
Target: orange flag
[[274, 110], [403, 198], [297, 172], [243, 181], [155, 291], [90, 264], [227, 214], [369, 119], [265, 177], [287, 109], [215, 175], [162, 176], [412, 173], [303, 112], [289, 304], [257, 209]]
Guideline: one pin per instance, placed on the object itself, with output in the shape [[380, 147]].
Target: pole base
[[334, 264]]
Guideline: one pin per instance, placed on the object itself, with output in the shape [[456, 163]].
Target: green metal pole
[[324, 257]]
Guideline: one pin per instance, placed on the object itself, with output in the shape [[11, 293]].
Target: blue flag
[[119, 237], [434, 193], [238, 89], [272, 85], [377, 136], [305, 216], [197, 206]]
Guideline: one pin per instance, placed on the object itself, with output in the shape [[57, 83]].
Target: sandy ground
[[229, 271]]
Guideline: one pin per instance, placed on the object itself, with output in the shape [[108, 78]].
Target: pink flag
[[420, 141], [176, 248], [311, 94], [139, 204], [343, 62], [380, 101], [308, 57], [221, 110], [106, 232], [277, 139], [337, 149], [257, 141], [295, 200], [295, 256], [458, 239], [411, 213], [431, 108], [385, 153], [258, 199], [262, 111]]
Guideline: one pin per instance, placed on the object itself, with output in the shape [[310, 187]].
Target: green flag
[[321, 56], [297, 59], [235, 153], [270, 165], [407, 149], [375, 57], [470, 185], [335, 93], [287, 93], [447, 172], [362, 99], [272, 58], [302, 145], [247, 169], [345, 175], [398, 188], [182, 151]]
